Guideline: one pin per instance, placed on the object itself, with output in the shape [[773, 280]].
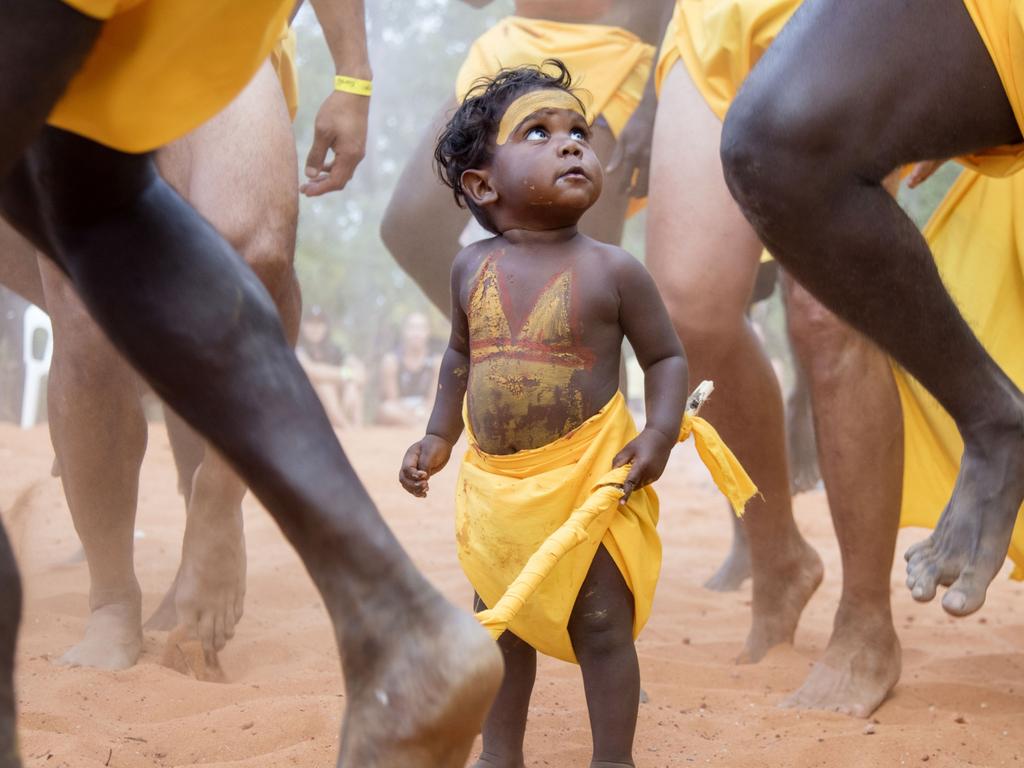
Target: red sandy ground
[[961, 700]]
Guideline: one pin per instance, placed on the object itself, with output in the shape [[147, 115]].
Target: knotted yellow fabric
[[978, 243], [529, 524], [160, 68]]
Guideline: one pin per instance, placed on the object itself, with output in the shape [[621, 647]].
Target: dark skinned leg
[[810, 138], [859, 426], [422, 224], [203, 331], [601, 628], [505, 726], [10, 616]]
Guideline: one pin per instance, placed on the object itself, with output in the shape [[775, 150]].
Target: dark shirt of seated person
[[338, 378], [408, 376]]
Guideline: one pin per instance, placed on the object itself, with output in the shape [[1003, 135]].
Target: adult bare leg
[[238, 170], [704, 258], [806, 146], [201, 328], [10, 617], [422, 224], [99, 433], [859, 428], [18, 268]]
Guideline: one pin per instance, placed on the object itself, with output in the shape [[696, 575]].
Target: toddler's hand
[[648, 453], [423, 459]]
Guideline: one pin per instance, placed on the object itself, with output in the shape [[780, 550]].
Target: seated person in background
[[408, 376], [338, 379]]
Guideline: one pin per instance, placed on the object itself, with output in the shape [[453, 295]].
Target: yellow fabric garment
[[160, 68], [1001, 25], [978, 243], [529, 524], [610, 65], [283, 59], [719, 42]]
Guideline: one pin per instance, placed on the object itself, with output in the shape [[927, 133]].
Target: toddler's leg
[[505, 725], [601, 628]]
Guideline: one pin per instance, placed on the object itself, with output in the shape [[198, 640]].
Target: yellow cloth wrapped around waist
[[160, 68], [610, 65], [978, 243], [529, 524], [719, 42], [282, 57], [1001, 25]]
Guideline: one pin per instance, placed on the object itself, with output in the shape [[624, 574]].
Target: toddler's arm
[[429, 455]]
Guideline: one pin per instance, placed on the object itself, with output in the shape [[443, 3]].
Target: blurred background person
[[408, 376], [338, 378]]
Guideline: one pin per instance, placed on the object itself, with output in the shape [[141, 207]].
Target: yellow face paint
[[534, 101]]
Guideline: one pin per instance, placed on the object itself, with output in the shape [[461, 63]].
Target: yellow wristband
[[353, 85]]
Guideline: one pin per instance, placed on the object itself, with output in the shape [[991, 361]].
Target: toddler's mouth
[[575, 172]]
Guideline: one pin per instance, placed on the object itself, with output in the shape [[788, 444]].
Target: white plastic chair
[[36, 368]]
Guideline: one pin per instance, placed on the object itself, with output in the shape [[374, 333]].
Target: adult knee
[[825, 346], [777, 148], [708, 317]]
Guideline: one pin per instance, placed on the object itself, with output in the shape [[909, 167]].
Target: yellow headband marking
[[534, 101]]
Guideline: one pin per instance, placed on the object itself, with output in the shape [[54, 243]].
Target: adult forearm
[[344, 27], [446, 418]]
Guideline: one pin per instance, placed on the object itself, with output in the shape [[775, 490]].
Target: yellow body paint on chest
[[520, 378]]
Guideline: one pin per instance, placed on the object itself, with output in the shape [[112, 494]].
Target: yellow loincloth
[[719, 42], [282, 57], [162, 67], [507, 506], [978, 243], [1001, 25], [610, 65]]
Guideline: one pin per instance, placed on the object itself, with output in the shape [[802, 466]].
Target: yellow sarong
[[282, 57], [507, 506], [609, 64], [160, 68], [719, 42], [529, 524], [1001, 25], [978, 243]]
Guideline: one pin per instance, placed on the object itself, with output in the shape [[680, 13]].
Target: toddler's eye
[[536, 134], [578, 134]]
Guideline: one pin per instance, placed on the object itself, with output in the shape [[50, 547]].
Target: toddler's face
[[546, 168]]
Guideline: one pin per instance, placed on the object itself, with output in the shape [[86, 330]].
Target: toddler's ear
[[476, 184]]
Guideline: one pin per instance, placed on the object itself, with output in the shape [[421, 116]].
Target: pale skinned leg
[[704, 257], [859, 429]]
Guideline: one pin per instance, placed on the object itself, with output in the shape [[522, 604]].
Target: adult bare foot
[[779, 598], [420, 700], [210, 586], [861, 665], [489, 761], [969, 543], [165, 617], [113, 637], [734, 571]]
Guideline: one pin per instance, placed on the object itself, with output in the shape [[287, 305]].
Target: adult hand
[[923, 171], [632, 153], [341, 127], [423, 459], [648, 453]]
